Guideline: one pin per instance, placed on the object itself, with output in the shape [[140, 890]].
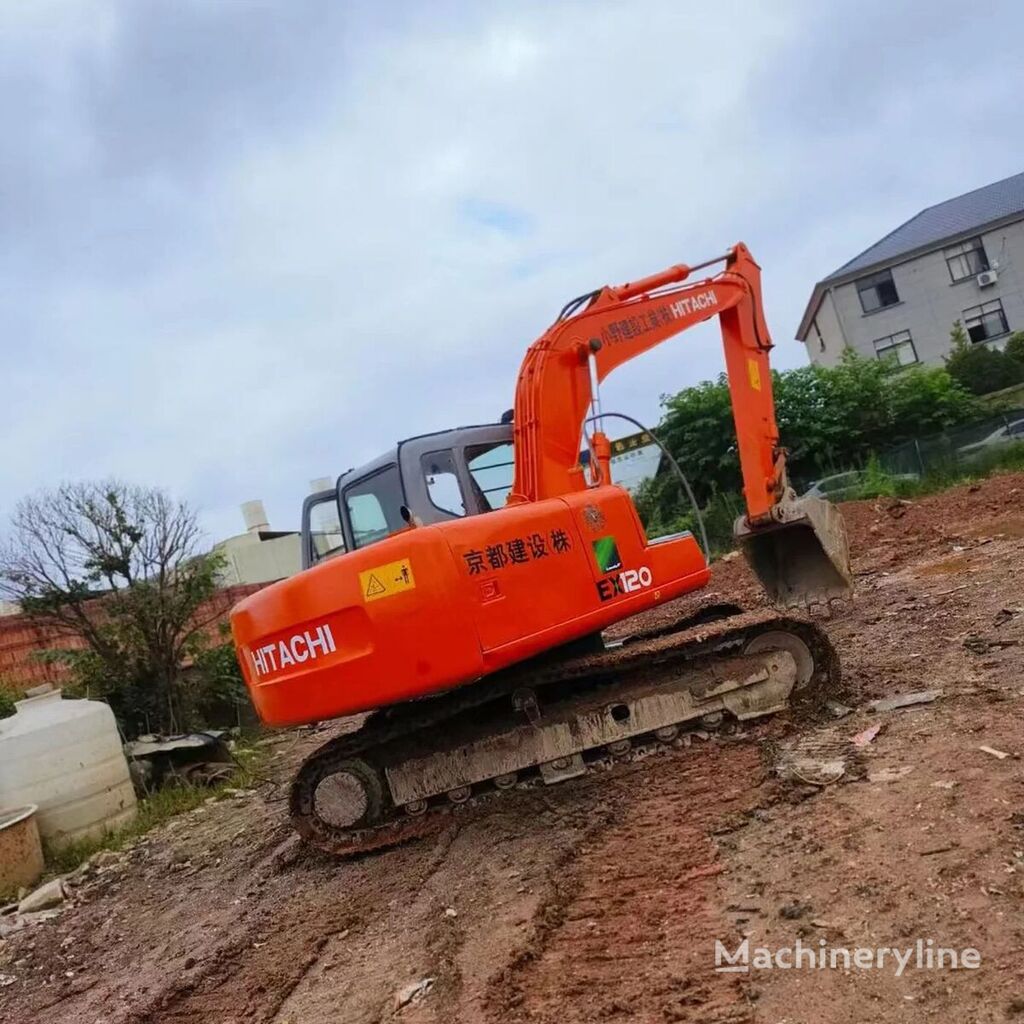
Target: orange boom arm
[[554, 389]]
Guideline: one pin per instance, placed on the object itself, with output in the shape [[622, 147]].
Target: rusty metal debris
[[196, 758]]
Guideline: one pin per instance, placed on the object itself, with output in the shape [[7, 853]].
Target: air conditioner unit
[[987, 278]]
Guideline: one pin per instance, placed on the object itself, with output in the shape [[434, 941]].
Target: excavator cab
[[421, 481]]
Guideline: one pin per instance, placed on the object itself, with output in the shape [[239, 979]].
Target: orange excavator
[[459, 586]]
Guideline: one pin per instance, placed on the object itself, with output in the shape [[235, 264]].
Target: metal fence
[[956, 449]]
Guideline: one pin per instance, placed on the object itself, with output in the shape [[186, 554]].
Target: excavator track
[[352, 777]]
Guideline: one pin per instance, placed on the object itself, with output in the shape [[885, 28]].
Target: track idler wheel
[[785, 640], [346, 795]]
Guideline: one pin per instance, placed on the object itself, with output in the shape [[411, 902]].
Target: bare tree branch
[[121, 567]]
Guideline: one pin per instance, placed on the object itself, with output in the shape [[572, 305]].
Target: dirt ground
[[602, 901]]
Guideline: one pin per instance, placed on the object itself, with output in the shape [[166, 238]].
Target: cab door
[[322, 535], [457, 473]]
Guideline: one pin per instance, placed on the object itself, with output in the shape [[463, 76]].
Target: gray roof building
[[971, 259]]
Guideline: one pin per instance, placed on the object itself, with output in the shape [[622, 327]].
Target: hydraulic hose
[[675, 465]]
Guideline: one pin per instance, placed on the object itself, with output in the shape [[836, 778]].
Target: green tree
[[980, 368], [120, 568], [832, 416], [215, 684], [698, 429], [830, 419], [926, 400], [1015, 347]]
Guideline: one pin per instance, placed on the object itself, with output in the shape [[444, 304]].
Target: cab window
[[443, 482], [374, 506], [491, 468], [325, 536]]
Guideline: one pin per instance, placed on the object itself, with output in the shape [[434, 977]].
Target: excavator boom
[[797, 547], [556, 383]]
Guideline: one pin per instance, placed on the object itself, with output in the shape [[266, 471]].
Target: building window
[[986, 321], [898, 346], [966, 260], [877, 291]]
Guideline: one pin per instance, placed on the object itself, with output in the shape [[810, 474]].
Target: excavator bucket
[[802, 556]]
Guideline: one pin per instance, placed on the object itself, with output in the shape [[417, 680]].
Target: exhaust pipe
[[802, 556]]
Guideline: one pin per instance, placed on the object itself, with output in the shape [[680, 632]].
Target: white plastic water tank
[[65, 756]]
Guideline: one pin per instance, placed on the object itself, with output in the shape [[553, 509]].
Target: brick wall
[[21, 638]]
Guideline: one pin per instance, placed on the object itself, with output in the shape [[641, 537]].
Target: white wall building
[[260, 555], [959, 260]]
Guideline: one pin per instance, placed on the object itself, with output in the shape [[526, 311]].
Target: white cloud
[[258, 244]]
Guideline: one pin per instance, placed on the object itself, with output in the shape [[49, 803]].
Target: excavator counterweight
[[459, 586]]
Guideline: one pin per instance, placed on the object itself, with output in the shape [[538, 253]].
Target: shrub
[[980, 368], [120, 568], [7, 699], [876, 482], [1015, 347]]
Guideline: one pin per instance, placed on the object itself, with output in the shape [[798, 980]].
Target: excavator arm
[[796, 546]]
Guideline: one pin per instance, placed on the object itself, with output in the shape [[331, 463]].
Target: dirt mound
[[888, 531], [884, 533], [602, 900]]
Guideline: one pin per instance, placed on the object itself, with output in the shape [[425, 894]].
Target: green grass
[[154, 810], [942, 476]]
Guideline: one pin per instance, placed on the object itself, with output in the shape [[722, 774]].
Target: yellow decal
[[754, 373], [387, 580]]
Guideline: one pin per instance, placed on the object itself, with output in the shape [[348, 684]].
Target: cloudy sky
[[245, 243]]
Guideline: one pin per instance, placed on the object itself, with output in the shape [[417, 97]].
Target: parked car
[[1006, 434], [841, 486]]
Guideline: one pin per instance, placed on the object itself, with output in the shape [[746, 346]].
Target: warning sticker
[[387, 580], [754, 373]]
